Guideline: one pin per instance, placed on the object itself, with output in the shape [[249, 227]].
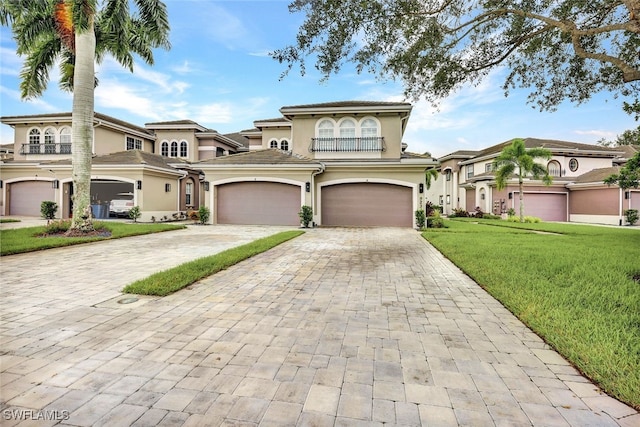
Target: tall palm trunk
[[521, 187], [82, 127]]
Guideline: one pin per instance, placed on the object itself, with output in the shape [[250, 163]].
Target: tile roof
[[338, 104], [67, 116], [596, 175], [270, 156], [553, 145], [129, 157], [239, 138]]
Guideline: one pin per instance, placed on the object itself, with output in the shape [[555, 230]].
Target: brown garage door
[[367, 204], [635, 200], [548, 207], [269, 203], [25, 197]]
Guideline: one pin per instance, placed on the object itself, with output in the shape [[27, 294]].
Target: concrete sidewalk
[[336, 327]]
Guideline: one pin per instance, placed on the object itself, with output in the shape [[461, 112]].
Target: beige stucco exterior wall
[[277, 133], [178, 136]]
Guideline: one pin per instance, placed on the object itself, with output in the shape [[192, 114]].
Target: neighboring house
[[577, 194], [345, 159]]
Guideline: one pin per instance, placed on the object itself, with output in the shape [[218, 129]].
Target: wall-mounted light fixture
[[206, 186], [421, 188], [448, 199], [626, 195], [482, 196], [139, 185], [167, 188], [55, 183], [0, 183], [307, 187], [510, 196]]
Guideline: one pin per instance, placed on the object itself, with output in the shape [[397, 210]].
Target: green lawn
[[27, 239], [171, 280], [578, 288]]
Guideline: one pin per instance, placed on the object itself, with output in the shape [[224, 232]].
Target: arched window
[[164, 149], [284, 145], [369, 134], [273, 144], [34, 141], [325, 129], [65, 140], [554, 168], [174, 149], [183, 149], [348, 135], [49, 141]]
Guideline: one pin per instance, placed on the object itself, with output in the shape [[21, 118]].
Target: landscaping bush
[[203, 214], [135, 213], [421, 219], [459, 213], [306, 215], [430, 209], [48, 209], [532, 219], [56, 227], [491, 216], [630, 214], [477, 213]]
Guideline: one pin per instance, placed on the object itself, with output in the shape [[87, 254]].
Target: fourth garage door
[[269, 203], [367, 204]]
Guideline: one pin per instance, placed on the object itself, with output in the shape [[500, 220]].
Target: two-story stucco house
[[345, 159], [577, 193]]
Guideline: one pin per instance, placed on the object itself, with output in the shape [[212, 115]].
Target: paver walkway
[[336, 327]]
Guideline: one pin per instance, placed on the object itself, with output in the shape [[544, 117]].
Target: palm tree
[[431, 174], [516, 158], [76, 33]]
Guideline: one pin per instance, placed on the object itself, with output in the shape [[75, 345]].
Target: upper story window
[[65, 140], [573, 165], [347, 129], [49, 141], [325, 129], [469, 171], [164, 149], [554, 168], [188, 191], [448, 174], [488, 167], [134, 143], [369, 128], [284, 145], [183, 149], [273, 144], [174, 149], [34, 141]]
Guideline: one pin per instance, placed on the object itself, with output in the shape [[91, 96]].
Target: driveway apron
[[336, 327]]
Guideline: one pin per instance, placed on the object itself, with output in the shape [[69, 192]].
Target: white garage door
[[269, 203], [365, 204], [548, 207], [25, 197]]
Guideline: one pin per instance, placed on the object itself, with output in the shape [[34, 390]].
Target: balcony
[[63, 148], [347, 145]]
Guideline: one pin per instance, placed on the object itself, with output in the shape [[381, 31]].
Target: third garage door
[[269, 203], [367, 204]]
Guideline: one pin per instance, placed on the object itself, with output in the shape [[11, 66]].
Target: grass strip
[[575, 288], [7, 220], [168, 281], [28, 239]]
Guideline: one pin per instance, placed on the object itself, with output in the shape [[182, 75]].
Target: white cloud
[[11, 62], [597, 133]]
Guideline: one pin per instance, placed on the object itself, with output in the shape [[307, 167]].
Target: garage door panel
[[367, 204], [548, 207], [635, 200], [26, 197], [267, 203]]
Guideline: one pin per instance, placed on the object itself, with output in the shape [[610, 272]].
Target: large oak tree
[[562, 50]]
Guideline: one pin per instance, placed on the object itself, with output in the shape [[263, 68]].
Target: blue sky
[[218, 73]]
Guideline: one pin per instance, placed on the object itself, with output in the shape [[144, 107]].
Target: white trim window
[[34, 141], [347, 130], [469, 171], [49, 141], [134, 143], [164, 149], [174, 149], [184, 149], [273, 144], [65, 140], [284, 145], [188, 192], [554, 168]]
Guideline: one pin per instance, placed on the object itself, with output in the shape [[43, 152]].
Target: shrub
[[460, 213], [513, 218], [511, 212], [134, 213], [48, 209], [306, 215], [630, 214], [203, 214], [478, 212], [420, 219], [532, 219], [430, 209], [491, 216], [435, 221], [56, 227]]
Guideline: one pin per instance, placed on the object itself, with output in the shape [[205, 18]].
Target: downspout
[[98, 124], [313, 188], [184, 175]]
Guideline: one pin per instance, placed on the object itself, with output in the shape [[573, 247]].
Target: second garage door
[[365, 204], [269, 203], [548, 207], [26, 197]]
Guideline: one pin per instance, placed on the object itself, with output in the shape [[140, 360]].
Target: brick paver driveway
[[337, 327]]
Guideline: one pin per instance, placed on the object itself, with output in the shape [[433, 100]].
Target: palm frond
[[35, 73]]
